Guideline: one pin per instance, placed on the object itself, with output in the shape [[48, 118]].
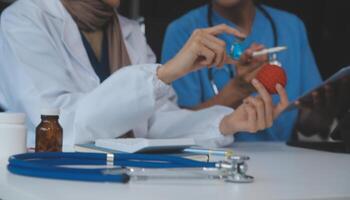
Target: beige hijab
[[93, 15]]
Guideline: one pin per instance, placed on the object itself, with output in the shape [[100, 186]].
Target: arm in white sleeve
[[123, 101], [169, 121], [38, 74], [34, 72], [202, 126]]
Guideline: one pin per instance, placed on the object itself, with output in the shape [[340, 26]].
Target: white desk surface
[[280, 172]]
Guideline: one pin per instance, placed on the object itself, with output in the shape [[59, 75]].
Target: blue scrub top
[[298, 62]]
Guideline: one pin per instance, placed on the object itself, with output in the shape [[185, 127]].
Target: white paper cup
[[13, 135]]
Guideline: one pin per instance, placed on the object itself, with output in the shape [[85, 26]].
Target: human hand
[[256, 113], [202, 49], [318, 110], [240, 86], [248, 66]]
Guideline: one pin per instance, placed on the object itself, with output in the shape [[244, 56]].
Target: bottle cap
[[12, 118], [50, 111]]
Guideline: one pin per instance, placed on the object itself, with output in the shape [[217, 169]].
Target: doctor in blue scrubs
[[263, 25]]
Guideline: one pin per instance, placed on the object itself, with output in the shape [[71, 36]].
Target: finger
[[226, 59], [261, 58], [260, 111], [330, 96], [306, 102], [267, 99], [223, 28], [247, 55], [343, 94], [317, 101], [223, 60], [257, 47], [247, 59], [300, 105], [230, 61], [251, 74], [216, 40], [284, 102], [208, 56], [283, 95], [260, 89], [219, 47], [251, 125]]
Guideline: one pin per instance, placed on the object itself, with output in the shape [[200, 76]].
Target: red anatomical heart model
[[270, 75]]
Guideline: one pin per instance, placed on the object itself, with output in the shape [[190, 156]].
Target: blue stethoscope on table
[[236, 49], [120, 167]]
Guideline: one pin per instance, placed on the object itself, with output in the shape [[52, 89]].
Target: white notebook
[[132, 145]]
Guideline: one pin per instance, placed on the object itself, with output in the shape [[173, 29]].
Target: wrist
[[225, 127], [164, 74], [233, 94], [242, 87], [169, 72]]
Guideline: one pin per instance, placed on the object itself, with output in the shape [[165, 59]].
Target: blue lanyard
[[55, 165]]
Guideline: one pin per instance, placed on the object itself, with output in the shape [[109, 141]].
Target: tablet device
[[334, 79]]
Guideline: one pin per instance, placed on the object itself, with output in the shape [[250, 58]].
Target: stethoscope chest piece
[[234, 169]]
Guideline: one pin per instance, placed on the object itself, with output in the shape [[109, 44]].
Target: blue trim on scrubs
[[101, 67], [298, 61]]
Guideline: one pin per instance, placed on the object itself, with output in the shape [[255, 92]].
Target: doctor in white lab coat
[[44, 64]]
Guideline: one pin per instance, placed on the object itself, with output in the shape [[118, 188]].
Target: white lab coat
[[44, 64]]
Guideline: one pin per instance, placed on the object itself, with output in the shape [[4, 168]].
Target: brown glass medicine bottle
[[49, 133]]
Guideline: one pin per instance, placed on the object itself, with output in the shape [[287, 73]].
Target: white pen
[[270, 50], [215, 152]]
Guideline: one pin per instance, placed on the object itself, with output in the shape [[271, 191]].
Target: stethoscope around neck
[[229, 68], [214, 86]]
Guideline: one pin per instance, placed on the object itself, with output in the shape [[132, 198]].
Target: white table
[[280, 172]]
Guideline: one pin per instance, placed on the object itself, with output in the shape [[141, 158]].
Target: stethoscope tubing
[[69, 175], [55, 165], [68, 158]]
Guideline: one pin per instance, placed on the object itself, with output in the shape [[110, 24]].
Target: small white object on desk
[[132, 145], [13, 134], [210, 151]]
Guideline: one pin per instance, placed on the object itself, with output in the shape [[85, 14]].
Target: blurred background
[[327, 23]]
